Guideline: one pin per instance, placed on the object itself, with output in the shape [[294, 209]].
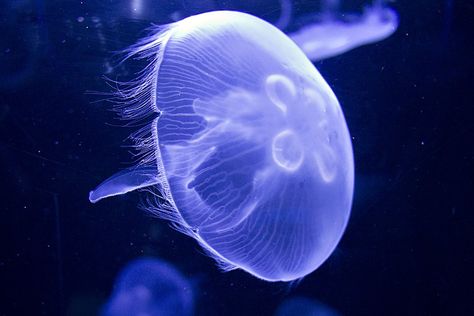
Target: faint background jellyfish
[[331, 33], [21, 48], [248, 151], [150, 286], [303, 306], [285, 14]]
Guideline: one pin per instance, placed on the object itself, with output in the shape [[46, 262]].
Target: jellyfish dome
[[149, 286], [248, 148]]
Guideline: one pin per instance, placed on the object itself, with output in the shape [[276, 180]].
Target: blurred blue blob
[[23, 42], [302, 306], [285, 14], [150, 286], [331, 33], [139, 10], [248, 151]]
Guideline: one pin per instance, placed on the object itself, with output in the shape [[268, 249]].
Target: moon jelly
[[150, 287], [331, 36], [248, 153]]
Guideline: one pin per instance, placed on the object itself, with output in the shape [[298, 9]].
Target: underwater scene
[[236, 157]]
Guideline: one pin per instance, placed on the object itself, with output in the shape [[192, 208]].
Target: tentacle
[[125, 181]]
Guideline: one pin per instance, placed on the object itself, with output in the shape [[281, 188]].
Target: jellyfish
[[303, 306], [21, 47], [285, 14], [247, 152], [331, 36], [150, 286]]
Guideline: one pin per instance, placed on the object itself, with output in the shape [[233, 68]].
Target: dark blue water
[[408, 104]]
